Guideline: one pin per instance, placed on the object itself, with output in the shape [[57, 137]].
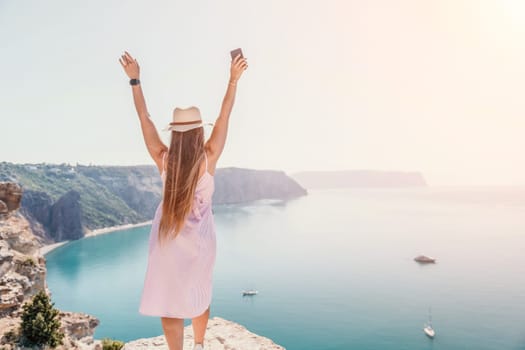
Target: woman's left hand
[[130, 65]]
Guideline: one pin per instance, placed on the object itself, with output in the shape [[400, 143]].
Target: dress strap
[[206, 157]]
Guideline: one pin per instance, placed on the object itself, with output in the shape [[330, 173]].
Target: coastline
[[90, 233], [100, 231]]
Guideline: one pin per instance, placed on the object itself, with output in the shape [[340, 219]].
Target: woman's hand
[[130, 65], [238, 66]]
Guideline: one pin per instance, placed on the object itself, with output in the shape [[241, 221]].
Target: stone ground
[[220, 334]]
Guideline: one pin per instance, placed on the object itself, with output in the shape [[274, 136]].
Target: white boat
[[249, 292], [425, 259], [429, 331]]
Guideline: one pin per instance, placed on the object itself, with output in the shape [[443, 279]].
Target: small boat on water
[[425, 259], [249, 292], [429, 331]]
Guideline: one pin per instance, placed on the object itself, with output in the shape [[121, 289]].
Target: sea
[[334, 270]]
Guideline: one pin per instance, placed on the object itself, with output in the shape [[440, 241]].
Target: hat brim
[[182, 128]]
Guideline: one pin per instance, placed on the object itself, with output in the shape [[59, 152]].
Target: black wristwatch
[[134, 81]]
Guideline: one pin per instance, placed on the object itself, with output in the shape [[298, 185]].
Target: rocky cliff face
[[65, 220], [23, 274], [53, 222], [36, 206], [10, 194]]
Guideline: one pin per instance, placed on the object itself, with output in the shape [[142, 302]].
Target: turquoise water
[[334, 270]]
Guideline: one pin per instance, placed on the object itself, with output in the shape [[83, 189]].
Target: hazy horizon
[[402, 85]]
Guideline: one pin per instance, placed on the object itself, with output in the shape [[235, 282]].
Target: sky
[[408, 85]]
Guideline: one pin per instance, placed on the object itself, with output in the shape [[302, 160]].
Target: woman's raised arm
[[152, 139], [220, 130]]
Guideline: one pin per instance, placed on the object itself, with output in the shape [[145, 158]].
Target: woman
[[181, 256]]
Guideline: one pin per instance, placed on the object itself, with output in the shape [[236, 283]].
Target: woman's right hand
[[238, 66]]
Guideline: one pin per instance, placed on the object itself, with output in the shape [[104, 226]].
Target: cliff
[[57, 221], [23, 274], [359, 178], [63, 202]]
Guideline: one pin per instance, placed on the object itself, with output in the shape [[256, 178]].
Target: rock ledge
[[220, 334]]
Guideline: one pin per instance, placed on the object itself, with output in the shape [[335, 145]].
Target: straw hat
[[185, 119]]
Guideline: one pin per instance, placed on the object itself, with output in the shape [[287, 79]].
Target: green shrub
[[29, 262], [40, 322], [110, 344]]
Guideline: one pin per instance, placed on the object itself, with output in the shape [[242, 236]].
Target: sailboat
[[249, 292], [429, 331]]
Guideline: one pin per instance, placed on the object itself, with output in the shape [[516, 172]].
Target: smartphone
[[235, 52]]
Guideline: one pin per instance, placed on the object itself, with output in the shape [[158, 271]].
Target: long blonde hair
[[184, 157]]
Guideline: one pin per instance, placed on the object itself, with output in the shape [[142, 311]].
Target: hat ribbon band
[[184, 123]]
